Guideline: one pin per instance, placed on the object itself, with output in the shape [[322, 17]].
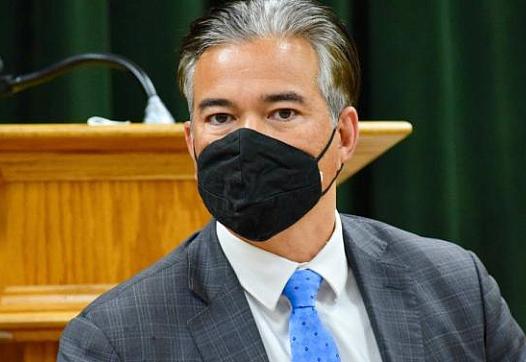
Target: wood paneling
[[81, 137], [83, 208], [92, 232], [24, 166]]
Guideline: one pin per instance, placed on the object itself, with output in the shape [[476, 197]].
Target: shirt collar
[[264, 275]]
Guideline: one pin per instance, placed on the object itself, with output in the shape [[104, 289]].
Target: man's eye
[[284, 114], [219, 118]]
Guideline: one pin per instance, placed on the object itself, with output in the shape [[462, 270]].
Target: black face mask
[[257, 185]]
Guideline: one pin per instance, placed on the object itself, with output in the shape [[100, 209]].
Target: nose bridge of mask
[[224, 141]]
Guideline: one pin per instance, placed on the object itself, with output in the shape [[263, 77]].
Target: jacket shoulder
[[460, 305], [172, 267], [147, 312], [404, 247], [440, 270]]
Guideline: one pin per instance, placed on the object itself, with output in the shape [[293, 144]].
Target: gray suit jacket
[[428, 300]]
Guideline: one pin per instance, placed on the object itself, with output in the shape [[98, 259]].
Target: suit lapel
[[387, 291], [224, 328]]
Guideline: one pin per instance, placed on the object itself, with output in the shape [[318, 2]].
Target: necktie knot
[[302, 288]]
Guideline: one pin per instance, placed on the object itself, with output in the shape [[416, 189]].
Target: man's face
[[269, 85]]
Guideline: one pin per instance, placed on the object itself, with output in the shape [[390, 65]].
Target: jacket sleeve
[[82, 340], [504, 339]]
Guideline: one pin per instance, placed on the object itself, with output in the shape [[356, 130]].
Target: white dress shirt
[[263, 276]]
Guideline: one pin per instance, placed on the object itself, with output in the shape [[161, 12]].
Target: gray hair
[[339, 73]]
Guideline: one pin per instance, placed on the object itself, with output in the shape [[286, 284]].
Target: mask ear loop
[[195, 156], [322, 153], [193, 148], [332, 181]]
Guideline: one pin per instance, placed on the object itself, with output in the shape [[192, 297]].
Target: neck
[[302, 241]]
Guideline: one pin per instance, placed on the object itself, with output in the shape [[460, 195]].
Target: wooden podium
[[83, 208]]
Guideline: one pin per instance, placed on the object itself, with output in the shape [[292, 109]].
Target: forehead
[[257, 65]]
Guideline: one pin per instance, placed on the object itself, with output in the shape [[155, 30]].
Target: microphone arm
[[10, 84]]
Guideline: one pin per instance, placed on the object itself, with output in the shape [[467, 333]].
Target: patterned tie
[[309, 340]]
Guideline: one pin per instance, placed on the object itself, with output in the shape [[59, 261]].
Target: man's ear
[[349, 132], [189, 138]]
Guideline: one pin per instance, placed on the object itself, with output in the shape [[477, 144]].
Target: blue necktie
[[309, 340]]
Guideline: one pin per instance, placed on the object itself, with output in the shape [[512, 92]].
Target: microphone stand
[[155, 111]]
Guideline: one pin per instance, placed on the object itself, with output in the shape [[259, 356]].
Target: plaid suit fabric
[[428, 300]]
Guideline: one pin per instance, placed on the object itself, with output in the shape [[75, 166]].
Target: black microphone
[[155, 111]]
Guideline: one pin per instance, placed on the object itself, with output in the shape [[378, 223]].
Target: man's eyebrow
[[284, 97], [214, 102]]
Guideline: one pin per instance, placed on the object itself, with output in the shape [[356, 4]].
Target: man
[[278, 274]]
